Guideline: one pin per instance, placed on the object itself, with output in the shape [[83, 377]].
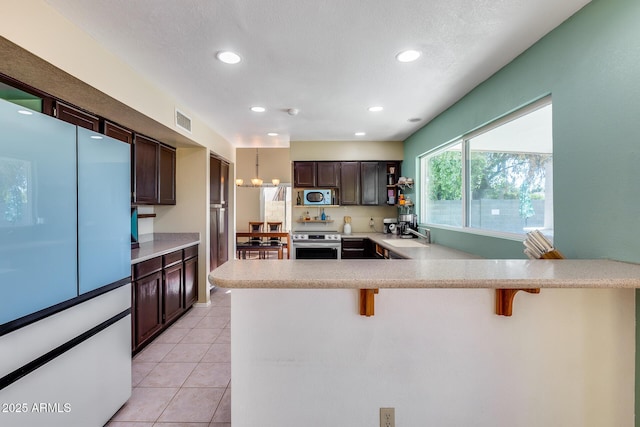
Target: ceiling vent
[[182, 121]]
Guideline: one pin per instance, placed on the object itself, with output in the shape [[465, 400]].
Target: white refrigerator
[[65, 265]]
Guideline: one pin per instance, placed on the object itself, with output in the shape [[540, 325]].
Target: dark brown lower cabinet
[[357, 248], [190, 276], [163, 289], [148, 309], [172, 292]]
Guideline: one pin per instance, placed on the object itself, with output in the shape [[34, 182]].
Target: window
[[497, 180], [274, 202]]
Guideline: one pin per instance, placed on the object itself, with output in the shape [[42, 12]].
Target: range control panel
[[321, 236]]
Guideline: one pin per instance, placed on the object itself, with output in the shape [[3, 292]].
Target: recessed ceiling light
[[228, 57], [360, 134], [95, 137], [272, 134], [375, 109], [25, 112], [408, 55], [258, 109]]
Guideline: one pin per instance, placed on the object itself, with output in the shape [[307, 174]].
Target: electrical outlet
[[371, 223], [387, 417]]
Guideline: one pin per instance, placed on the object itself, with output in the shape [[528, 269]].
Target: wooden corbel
[[504, 300], [367, 301]]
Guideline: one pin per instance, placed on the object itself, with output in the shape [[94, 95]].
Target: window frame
[[464, 141]]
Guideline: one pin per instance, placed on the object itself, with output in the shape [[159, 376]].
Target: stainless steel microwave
[[317, 197]]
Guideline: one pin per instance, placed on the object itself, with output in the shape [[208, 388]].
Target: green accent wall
[[591, 67]]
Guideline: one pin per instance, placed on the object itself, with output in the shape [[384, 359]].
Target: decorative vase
[[347, 229]]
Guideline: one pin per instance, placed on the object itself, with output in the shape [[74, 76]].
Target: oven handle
[[316, 245]]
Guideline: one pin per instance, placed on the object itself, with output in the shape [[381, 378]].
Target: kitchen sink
[[404, 243]]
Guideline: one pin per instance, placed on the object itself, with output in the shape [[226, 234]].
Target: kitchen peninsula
[[435, 350]]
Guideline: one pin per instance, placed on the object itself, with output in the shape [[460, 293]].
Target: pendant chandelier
[[257, 181]]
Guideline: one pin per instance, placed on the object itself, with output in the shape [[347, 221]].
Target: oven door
[[316, 250]]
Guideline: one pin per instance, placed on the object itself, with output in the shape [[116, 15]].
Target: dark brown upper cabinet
[[316, 174], [218, 177], [116, 132], [371, 186], [224, 179], [154, 177], [304, 174], [327, 174], [350, 183], [145, 157], [75, 116], [167, 175]]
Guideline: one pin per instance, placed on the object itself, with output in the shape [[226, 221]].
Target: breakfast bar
[[565, 357]]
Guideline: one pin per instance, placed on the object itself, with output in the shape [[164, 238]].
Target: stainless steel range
[[316, 245]]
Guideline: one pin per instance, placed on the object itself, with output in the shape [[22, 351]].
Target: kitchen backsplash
[[360, 216]]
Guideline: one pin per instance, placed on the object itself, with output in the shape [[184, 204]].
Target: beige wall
[[346, 150], [190, 214]]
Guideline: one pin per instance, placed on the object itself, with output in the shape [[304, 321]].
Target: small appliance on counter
[[389, 225], [407, 222]]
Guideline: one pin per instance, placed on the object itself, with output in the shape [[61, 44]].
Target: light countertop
[[159, 244], [431, 266], [423, 251]]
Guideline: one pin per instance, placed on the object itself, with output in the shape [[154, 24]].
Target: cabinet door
[[145, 157], [172, 292], [77, 117], [328, 174], [370, 183], [218, 232], [223, 232], [350, 183], [148, 315], [304, 174], [217, 169], [214, 224], [224, 180], [167, 175], [190, 282], [117, 132]]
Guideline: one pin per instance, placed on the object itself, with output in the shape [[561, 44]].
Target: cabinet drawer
[[172, 258], [351, 253], [145, 268], [353, 243], [191, 252]]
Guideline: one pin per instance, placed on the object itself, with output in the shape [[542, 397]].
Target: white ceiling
[[330, 59]]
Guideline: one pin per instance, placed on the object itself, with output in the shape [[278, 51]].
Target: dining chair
[[276, 227], [256, 227]]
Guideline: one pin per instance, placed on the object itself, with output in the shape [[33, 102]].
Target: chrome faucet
[[426, 236]]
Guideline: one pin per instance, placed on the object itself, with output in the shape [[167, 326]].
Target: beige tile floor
[[183, 378]]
